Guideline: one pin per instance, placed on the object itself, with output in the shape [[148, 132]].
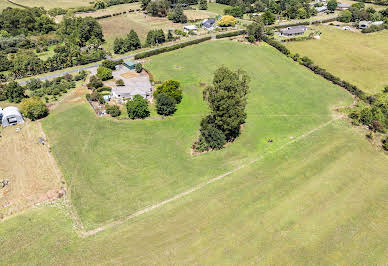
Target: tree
[[139, 67], [227, 98], [14, 92], [256, 30], [144, 4], [120, 82], [210, 137], [80, 30], [104, 73], [171, 88], [268, 18], [332, 5], [33, 108], [109, 64], [94, 83], [178, 15], [33, 84], [203, 4], [99, 4], [236, 11], [137, 108], [5, 64], [165, 104], [302, 13], [227, 21], [113, 110], [155, 37], [345, 16], [169, 37]]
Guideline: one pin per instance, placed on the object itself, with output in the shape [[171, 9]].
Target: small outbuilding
[[189, 28], [363, 24], [130, 64], [343, 6], [10, 116]]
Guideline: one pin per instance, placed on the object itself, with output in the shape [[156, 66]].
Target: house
[[10, 116], [106, 97], [343, 6], [321, 9], [138, 85], [377, 23], [363, 24], [208, 23], [130, 64], [189, 28], [293, 31]]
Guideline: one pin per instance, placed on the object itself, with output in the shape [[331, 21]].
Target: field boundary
[[83, 233]]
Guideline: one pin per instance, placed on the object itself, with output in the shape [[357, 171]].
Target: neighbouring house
[[10, 116], [377, 23], [321, 9], [293, 31], [208, 23], [130, 64], [363, 24], [139, 85], [343, 6], [189, 28]]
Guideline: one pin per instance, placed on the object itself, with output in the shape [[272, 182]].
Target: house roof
[[321, 8], [343, 5], [363, 22], [377, 23], [190, 27], [294, 29], [133, 86]]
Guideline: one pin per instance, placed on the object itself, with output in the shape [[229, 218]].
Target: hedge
[[307, 62], [303, 23], [170, 48], [230, 34]]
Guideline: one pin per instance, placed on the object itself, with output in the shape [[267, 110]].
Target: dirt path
[[201, 185]]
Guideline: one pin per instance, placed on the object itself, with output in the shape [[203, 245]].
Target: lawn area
[[116, 168], [316, 202], [358, 58], [48, 4], [199, 14], [216, 8], [119, 26], [4, 4]]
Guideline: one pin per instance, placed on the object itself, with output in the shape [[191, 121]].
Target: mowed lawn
[[116, 168], [358, 58], [315, 202]]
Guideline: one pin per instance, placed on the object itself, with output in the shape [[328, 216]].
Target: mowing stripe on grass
[[201, 185]]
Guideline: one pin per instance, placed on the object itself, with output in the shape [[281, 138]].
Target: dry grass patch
[[129, 74], [53, 3], [28, 166], [110, 10], [199, 14]]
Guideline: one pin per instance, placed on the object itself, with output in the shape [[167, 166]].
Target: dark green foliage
[[178, 15], [5, 64], [171, 88], [203, 4], [165, 104], [109, 64], [345, 16], [14, 92], [113, 110], [236, 11], [33, 108], [155, 37], [80, 76], [230, 34], [27, 63], [210, 137], [385, 144], [137, 108], [332, 5], [170, 48], [119, 82], [94, 83], [33, 84], [268, 18], [130, 43], [139, 67], [104, 73], [256, 30]]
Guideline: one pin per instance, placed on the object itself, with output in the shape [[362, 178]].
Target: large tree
[[256, 30], [171, 88], [332, 5], [14, 92], [165, 104], [33, 108], [138, 108]]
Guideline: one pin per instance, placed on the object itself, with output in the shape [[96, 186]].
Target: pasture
[[48, 4], [4, 4], [358, 58], [115, 168]]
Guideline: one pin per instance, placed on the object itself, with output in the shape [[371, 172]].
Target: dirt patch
[[28, 168], [129, 74]]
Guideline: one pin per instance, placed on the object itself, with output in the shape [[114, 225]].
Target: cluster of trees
[[155, 37], [255, 31], [29, 21], [113, 110], [167, 96], [33, 108], [130, 43], [137, 108], [104, 73], [171, 9], [227, 98], [203, 4], [358, 12]]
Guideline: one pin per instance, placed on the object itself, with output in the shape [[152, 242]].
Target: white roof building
[[10, 116], [189, 28], [139, 85]]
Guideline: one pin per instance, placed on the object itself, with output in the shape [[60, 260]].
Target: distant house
[[377, 23], [10, 116], [321, 9], [208, 23], [363, 24], [130, 64], [343, 6], [189, 28], [139, 85], [293, 31]]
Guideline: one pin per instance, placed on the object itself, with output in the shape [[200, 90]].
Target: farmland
[[358, 58], [127, 166], [53, 3]]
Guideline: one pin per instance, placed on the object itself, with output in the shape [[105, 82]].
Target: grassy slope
[[358, 58], [316, 201], [4, 4], [53, 3], [116, 168]]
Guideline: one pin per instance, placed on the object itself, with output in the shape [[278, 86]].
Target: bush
[[33, 108], [137, 108], [210, 138], [119, 82], [165, 104], [385, 144], [80, 76], [227, 21], [170, 88], [139, 67], [109, 64], [94, 83], [104, 73], [113, 110], [230, 34]]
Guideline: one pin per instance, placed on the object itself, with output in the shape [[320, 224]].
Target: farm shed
[[130, 65], [10, 116], [292, 31]]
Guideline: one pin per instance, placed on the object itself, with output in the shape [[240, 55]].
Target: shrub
[[119, 82], [165, 104], [385, 144], [170, 88], [210, 138], [33, 108], [80, 76], [227, 21], [113, 110], [230, 34], [104, 73], [137, 108], [139, 67], [109, 64], [94, 83]]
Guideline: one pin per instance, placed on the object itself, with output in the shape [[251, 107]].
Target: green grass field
[[358, 58], [4, 4], [48, 4], [310, 197], [129, 165]]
